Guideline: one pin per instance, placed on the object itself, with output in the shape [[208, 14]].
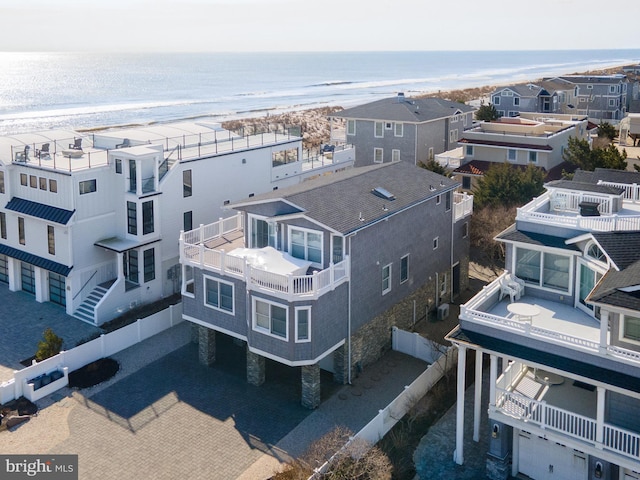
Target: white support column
[[515, 456], [600, 416], [458, 454], [493, 376], [477, 400], [604, 329]]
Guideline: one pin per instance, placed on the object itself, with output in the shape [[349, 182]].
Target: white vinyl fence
[[47, 376], [443, 359]]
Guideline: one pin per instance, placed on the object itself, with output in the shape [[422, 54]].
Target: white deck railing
[[570, 202], [631, 191], [463, 205], [204, 233], [568, 423], [476, 310]]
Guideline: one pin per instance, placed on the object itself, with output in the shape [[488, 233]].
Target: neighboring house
[[314, 276], [403, 129], [91, 221], [599, 97], [562, 331], [533, 138]]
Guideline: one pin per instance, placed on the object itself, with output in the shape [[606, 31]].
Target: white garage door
[[543, 459]]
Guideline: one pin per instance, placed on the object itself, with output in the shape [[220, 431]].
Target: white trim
[[351, 122], [264, 331], [389, 278], [269, 221], [621, 336], [375, 129], [185, 282], [375, 151], [395, 153], [218, 308], [298, 309], [395, 129], [436, 243], [438, 199], [296, 363], [542, 251]]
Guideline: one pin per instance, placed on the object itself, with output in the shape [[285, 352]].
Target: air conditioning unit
[[443, 311]]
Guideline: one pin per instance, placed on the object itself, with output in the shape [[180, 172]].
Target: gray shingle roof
[[405, 110], [40, 210], [527, 90], [339, 201], [623, 248], [607, 175], [532, 238], [585, 187]]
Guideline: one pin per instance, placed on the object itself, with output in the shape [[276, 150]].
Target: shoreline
[[316, 128]]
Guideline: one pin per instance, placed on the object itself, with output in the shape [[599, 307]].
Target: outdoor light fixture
[[598, 470], [495, 431]]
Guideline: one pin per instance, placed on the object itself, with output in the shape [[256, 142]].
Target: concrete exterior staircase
[[86, 311]]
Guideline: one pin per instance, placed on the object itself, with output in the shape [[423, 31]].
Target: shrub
[[50, 346]]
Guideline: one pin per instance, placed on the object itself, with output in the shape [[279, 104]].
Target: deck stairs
[[86, 310]]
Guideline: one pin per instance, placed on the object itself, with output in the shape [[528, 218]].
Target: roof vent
[[383, 193]]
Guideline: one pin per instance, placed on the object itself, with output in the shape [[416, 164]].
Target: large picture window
[[306, 244], [218, 295], [631, 328], [270, 318], [544, 269]]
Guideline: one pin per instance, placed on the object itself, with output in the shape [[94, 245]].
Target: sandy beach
[[316, 127]]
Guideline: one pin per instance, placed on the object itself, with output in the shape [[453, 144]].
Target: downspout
[[415, 147], [453, 217], [349, 317]]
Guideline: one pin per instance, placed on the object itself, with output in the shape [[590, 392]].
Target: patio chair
[[23, 156], [512, 286], [125, 143], [76, 145], [43, 151]]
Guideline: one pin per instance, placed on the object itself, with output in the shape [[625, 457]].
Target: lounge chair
[[43, 151], [23, 156], [76, 145]]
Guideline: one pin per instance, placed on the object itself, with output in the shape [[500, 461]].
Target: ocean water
[[39, 91]]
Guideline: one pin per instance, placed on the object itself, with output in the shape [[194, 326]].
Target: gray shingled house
[[404, 129], [561, 328], [314, 276]]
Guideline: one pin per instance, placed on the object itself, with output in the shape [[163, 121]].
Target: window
[[23, 179], [338, 249], [631, 328], [453, 135], [132, 176], [438, 199], [270, 318], [435, 243], [3, 225], [447, 201], [516, 101], [218, 295], [466, 183], [596, 253], [284, 157], [149, 264], [431, 156], [469, 150], [303, 324], [464, 120], [533, 157], [377, 155], [187, 221], [263, 233], [21, 238], [386, 279], [398, 129], [395, 155], [496, 100], [43, 183], [1, 181], [130, 266], [118, 165], [351, 127], [147, 217], [512, 155], [404, 269], [187, 189], [188, 283], [612, 89], [500, 113], [53, 185], [443, 284], [33, 181], [87, 186], [388, 125], [132, 218], [378, 130], [612, 102], [513, 113], [306, 244], [544, 269], [51, 239], [465, 229]]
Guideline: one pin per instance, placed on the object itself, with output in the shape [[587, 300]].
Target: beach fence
[[441, 360], [45, 377]]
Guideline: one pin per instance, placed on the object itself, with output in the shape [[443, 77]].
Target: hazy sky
[[316, 25]]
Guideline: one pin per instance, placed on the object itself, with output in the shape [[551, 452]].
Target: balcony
[[556, 323], [209, 248], [527, 398], [462, 206]]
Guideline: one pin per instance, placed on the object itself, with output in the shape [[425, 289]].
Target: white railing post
[[315, 284], [290, 291], [332, 276], [600, 417], [201, 233], [543, 416], [223, 259], [201, 254]]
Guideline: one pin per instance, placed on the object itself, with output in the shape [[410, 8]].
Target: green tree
[[50, 346], [434, 167], [487, 112], [606, 130], [580, 154], [506, 185]]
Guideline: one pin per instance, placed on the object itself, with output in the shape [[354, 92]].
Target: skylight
[[383, 193]]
